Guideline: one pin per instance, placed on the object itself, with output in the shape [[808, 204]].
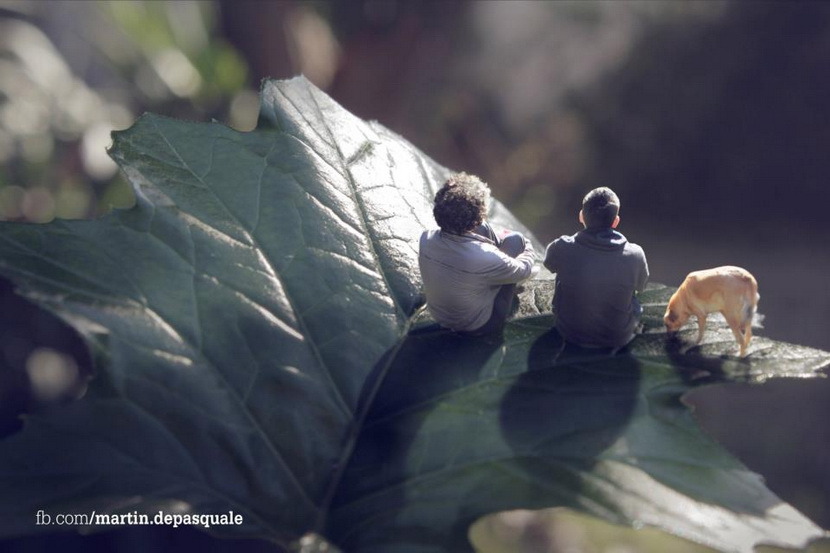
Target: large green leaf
[[254, 321]]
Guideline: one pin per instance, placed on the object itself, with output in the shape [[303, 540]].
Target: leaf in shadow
[[466, 427]]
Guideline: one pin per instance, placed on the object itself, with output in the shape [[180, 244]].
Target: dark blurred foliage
[[722, 124], [709, 118]]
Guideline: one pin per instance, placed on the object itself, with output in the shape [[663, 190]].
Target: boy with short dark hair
[[469, 272], [598, 273]]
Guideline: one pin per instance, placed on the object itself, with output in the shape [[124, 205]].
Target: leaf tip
[[269, 89]]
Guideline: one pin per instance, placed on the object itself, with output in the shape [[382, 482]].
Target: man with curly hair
[[469, 272]]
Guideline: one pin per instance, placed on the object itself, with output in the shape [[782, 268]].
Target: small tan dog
[[730, 290]]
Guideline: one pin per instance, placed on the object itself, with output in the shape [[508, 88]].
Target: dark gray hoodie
[[597, 273]]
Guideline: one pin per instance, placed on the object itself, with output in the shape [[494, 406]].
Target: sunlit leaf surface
[[259, 348], [560, 529]]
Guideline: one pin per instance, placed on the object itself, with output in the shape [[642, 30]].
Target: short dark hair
[[461, 203], [600, 207]]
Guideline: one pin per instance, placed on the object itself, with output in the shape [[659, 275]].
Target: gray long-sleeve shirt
[[462, 275], [597, 274]]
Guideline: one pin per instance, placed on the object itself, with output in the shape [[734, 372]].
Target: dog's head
[[674, 319]]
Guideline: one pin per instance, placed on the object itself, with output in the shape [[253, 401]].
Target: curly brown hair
[[461, 204]]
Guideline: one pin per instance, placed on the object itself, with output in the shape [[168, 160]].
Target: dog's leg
[[737, 330], [747, 336], [749, 314], [701, 326]]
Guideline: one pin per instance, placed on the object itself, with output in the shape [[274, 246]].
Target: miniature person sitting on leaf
[[469, 272], [598, 273]]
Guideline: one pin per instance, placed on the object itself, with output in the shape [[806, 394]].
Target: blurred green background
[[711, 119]]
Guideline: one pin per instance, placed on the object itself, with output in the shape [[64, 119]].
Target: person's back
[[598, 273], [469, 274], [462, 276]]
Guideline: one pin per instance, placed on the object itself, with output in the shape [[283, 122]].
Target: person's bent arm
[[550, 258], [643, 273], [510, 270]]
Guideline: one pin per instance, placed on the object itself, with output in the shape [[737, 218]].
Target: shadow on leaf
[[460, 427]]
